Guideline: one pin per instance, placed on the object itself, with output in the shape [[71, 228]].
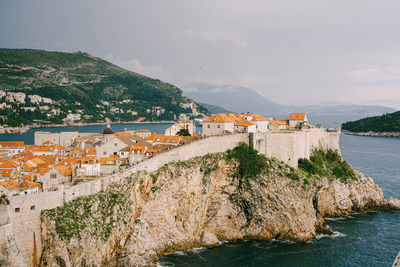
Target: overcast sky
[[291, 52]]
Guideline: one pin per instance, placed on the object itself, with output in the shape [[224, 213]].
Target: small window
[[208, 125], [219, 126], [115, 144], [104, 153], [33, 207], [17, 210], [115, 153], [53, 175]]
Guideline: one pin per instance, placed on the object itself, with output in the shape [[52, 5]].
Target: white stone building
[[174, 129]]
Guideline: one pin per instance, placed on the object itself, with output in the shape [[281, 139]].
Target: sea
[[369, 239]]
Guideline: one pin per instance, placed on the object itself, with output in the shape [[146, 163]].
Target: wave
[[335, 234]]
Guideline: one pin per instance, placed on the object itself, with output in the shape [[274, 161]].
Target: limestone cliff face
[[196, 203]]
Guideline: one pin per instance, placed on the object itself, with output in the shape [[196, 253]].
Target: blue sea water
[[370, 239]]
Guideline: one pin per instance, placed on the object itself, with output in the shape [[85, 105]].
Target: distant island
[[385, 125], [52, 88]]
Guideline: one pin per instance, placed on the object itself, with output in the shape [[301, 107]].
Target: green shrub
[[338, 172], [333, 156], [306, 165], [293, 176], [250, 163]]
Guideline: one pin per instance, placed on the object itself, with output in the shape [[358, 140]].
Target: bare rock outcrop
[[197, 203]]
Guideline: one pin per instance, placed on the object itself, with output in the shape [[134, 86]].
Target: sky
[[291, 52]]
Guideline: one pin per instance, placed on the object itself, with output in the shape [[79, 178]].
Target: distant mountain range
[[240, 99]]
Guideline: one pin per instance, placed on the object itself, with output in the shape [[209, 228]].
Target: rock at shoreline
[[197, 203], [370, 133]]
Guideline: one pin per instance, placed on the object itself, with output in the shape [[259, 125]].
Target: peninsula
[[385, 125]]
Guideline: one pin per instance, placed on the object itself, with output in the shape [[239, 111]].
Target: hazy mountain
[[236, 99], [214, 109], [240, 99]]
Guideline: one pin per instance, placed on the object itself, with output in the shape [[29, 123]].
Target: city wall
[[291, 146], [20, 221]]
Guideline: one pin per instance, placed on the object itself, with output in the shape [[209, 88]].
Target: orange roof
[[135, 148], [163, 139], [12, 144], [8, 164], [12, 184], [43, 170], [231, 117], [222, 117], [63, 169], [6, 173], [47, 143], [298, 116], [111, 160], [9, 184], [91, 151], [123, 134]]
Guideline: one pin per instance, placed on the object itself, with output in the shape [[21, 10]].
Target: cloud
[[214, 36], [153, 71]]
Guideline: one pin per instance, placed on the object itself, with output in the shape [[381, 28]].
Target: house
[[223, 123], [54, 177], [109, 165], [8, 168], [16, 187], [12, 148], [87, 167], [142, 133], [174, 129], [298, 119], [160, 139]]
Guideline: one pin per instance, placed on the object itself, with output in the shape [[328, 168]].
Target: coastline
[[25, 128], [370, 133]]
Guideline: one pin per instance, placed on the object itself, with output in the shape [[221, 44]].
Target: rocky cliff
[[199, 203]]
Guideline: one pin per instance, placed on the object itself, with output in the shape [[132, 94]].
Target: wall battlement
[[20, 221]]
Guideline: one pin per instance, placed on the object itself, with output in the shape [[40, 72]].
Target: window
[[208, 125], [17, 210], [53, 175], [219, 126], [115, 153], [104, 153], [33, 207], [115, 144]]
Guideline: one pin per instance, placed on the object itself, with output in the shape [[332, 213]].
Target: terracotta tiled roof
[[163, 139], [123, 134], [8, 164], [237, 118], [6, 173], [12, 144], [297, 116], [63, 169]]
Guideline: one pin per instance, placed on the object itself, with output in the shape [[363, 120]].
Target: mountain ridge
[[241, 99], [89, 87]]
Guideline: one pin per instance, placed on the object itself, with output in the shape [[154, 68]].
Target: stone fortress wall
[[20, 221]]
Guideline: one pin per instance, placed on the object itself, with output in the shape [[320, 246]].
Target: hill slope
[[78, 83], [386, 123]]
